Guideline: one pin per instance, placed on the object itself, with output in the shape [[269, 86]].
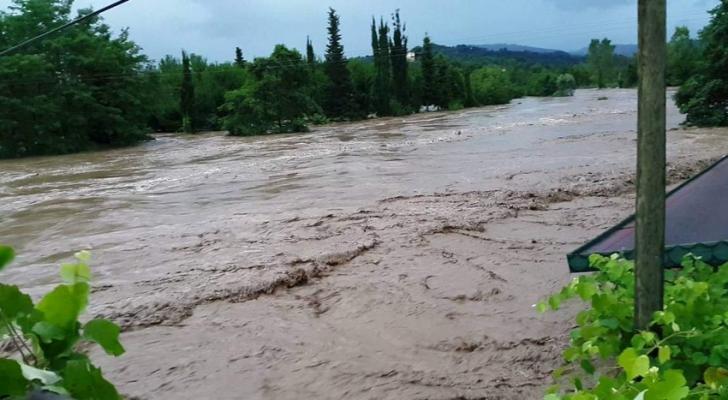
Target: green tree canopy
[[74, 91], [340, 89], [601, 61], [275, 99], [704, 97]]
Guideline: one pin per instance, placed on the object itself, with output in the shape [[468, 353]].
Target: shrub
[[608, 359], [46, 337], [566, 85]]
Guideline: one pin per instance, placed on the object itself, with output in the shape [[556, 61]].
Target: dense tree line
[[703, 95], [70, 92], [87, 89]]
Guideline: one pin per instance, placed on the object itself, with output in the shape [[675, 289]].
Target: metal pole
[[650, 228]]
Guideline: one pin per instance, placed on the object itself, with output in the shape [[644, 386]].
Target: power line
[[62, 27]]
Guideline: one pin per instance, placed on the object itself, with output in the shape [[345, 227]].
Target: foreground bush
[[608, 359], [46, 337]]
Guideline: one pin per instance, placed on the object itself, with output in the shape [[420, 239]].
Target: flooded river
[[387, 245], [130, 203]]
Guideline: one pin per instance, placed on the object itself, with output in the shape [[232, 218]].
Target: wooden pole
[[650, 228]]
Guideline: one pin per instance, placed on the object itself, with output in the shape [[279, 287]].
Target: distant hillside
[[515, 47], [627, 50], [487, 54]]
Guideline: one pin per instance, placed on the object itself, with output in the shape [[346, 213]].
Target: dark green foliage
[[704, 97], [683, 57], [45, 338], [310, 55], [601, 61], [427, 61], [400, 66], [239, 60], [211, 82], [362, 76], [275, 100], [479, 56], [683, 356], [383, 66], [187, 95], [72, 92], [628, 78], [340, 90]]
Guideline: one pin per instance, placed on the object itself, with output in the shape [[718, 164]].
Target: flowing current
[[127, 204]]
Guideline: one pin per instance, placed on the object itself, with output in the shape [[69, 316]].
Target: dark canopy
[[697, 223]]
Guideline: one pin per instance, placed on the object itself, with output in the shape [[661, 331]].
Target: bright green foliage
[[565, 85], [46, 336], [6, 256], [276, 100], [80, 90], [704, 97], [608, 359], [601, 61], [491, 85]]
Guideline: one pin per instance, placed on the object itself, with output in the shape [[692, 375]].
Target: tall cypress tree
[[310, 55], [340, 92], [400, 67], [382, 84], [187, 95], [239, 60], [429, 89]]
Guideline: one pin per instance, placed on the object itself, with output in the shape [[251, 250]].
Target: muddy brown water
[[392, 258]]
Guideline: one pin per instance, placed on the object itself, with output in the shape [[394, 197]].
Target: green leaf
[[541, 307], [716, 377], [588, 367], [12, 381], [586, 290], [106, 334], [663, 354], [42, 376], [672, 387], [7, 255], [75, 273], [552, 396], [85, 382], [48, 332], [64, 304], [633, 364], [13, 302], [554, 302]]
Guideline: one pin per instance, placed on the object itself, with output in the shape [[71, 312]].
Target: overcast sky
[[214, 27]]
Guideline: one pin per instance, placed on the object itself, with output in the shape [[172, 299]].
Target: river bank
[[394, 258]]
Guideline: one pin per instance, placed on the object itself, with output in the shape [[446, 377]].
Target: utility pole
[[650, 228]]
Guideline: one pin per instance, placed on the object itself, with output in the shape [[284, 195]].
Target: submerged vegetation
[[46, 337], [684, 356]]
